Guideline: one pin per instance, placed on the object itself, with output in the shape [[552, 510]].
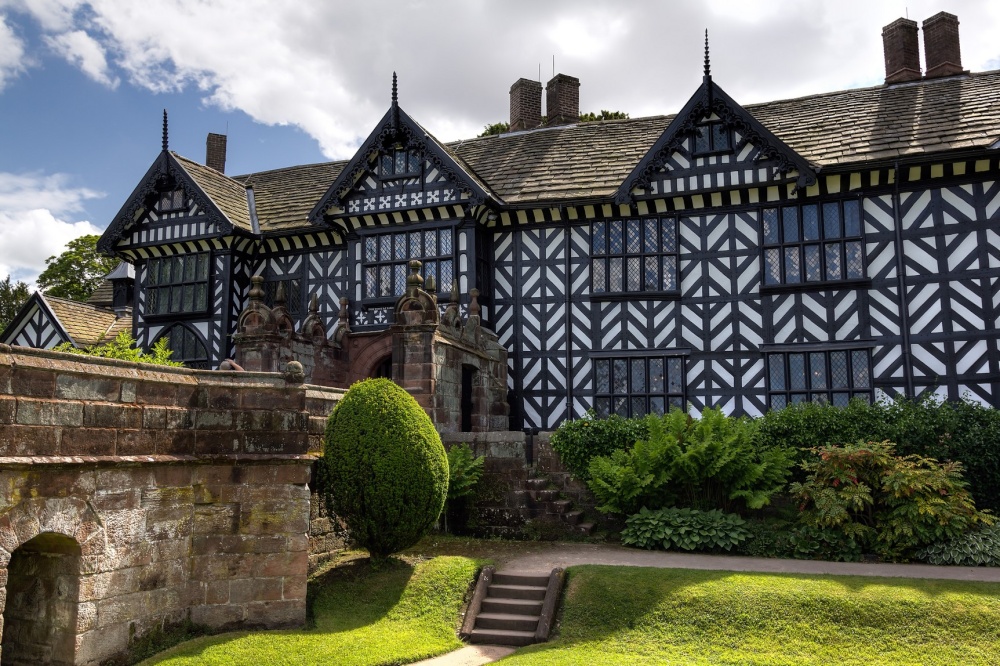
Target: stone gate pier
[[134, 498]]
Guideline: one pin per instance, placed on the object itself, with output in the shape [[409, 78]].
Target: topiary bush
[[385, 472]]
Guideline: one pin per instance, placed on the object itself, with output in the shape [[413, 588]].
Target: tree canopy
[[77, 272], [12, 297]]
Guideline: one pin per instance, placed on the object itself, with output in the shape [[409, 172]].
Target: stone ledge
[[289, 458]]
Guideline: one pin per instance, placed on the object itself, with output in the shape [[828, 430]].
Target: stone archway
[[40, 613], [42, 545]]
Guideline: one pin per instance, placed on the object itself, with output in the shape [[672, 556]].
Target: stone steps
[[512, 608]]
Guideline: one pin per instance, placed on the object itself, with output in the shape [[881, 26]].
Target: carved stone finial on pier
[[257, 289], [312, 326], [452, 315], [474, 308]]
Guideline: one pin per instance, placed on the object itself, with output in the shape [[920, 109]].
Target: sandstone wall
[[178, 496]]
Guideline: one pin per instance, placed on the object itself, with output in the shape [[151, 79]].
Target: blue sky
[[83, 84]]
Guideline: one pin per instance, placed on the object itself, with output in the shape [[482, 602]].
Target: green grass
[[633, 616], [359, 616]]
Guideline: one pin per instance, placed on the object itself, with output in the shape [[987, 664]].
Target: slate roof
[[228, 195], [590, 160], [86, 324]]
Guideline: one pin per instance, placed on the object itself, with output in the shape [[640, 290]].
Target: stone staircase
[[543, 501], [511, 608]]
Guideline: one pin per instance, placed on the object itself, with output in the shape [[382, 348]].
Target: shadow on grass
[[371, 591]]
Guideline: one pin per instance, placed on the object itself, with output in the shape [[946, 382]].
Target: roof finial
[[395, 104], [164, 130], [708, 67]]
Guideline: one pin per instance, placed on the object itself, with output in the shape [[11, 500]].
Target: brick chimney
[[942, 53], [215, 152], [902, 52], [562, 100], [525, 105]]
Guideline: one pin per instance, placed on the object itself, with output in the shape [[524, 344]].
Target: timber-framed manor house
[[822, 248]]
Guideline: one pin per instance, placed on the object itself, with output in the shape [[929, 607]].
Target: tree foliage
[[12, 297], [603, 115], [77, 272], [384, 469], [495, 128]]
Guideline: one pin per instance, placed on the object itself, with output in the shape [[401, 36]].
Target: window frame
[[196, 363], [824, 389], [154, 289], [173, 205], [393, 262], [614, 361], [787, 252], [710, 126], [396, 181], [665, 251]]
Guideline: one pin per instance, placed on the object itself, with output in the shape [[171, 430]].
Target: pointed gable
[[178, 199], [399, 167], [713, 143]]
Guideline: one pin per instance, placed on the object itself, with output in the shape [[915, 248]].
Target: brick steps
[[512, 608]]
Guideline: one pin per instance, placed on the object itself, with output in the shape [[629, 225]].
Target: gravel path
[[470, 655]]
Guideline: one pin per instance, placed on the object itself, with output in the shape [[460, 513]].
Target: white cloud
[[12, 56], [33, 221], [85, 52]]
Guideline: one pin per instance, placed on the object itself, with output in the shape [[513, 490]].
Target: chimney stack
[[215, 152], [902, 52], [525, 105], [562, 100], [942, 53]]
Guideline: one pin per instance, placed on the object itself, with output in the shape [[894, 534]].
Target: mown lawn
[[360, 617], [631, 615]]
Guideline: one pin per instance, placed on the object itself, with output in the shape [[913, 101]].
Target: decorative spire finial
[[165, 129], [395, 104], [708, 67]]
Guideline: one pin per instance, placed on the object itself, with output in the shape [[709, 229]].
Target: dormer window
[[712, 138], [400, 167]]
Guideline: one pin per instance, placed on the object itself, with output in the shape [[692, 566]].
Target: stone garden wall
[[134, 498]]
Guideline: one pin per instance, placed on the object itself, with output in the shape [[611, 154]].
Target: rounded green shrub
[[384, 469]]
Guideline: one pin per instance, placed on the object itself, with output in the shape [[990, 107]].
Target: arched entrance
[[40, 614], [383, 368]]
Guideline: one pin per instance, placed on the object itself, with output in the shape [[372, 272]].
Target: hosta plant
[[684, 529]]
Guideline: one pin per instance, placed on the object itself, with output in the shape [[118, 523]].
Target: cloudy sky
[[83, 84]]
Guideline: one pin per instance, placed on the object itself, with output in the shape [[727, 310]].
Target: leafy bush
[[385, 472], [684, 529], [580, 441], [965, 431], [706, 463], [972, 549], [889, 504], [808, 542], [464, 472], [123, 348]]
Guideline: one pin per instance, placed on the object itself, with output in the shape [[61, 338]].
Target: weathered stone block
[[219, 616], [49, 412], [83, 387], [88, 442], [8, 409], [213, 419], [33, 382], [107, 415]]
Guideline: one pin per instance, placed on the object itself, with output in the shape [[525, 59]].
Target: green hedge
[[961, 431], [580, 441]]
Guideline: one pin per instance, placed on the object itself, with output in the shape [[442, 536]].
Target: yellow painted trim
[[914, 174], [958, 168], [716, 198], [812, 190], [735, 198], [643, 208], [698, 201], [855, 181], [982, 165], [661, 206], [522, 217], [772, 193], [833, 184], [678, 203], [606, 210], [556, 215], [588, 211], [754, 196], [937, 170]]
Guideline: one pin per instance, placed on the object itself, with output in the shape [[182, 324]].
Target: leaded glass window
[[812, 243], [186, 346], [293, 294], [712, 138], [176, 285], [632, 256], [399, 167], [386, 259], [831, 377], [638, 385]]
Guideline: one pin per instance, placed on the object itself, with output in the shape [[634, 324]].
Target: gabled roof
[[218, 197], [86, 324], [591, 161], [396, 126], [711, 100]]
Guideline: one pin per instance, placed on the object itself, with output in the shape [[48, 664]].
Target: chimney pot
[[902, 51], [525, 105], [942, 51], [215, 152], [562, 100]]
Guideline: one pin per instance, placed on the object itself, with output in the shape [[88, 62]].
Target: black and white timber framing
[[765, 276]]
